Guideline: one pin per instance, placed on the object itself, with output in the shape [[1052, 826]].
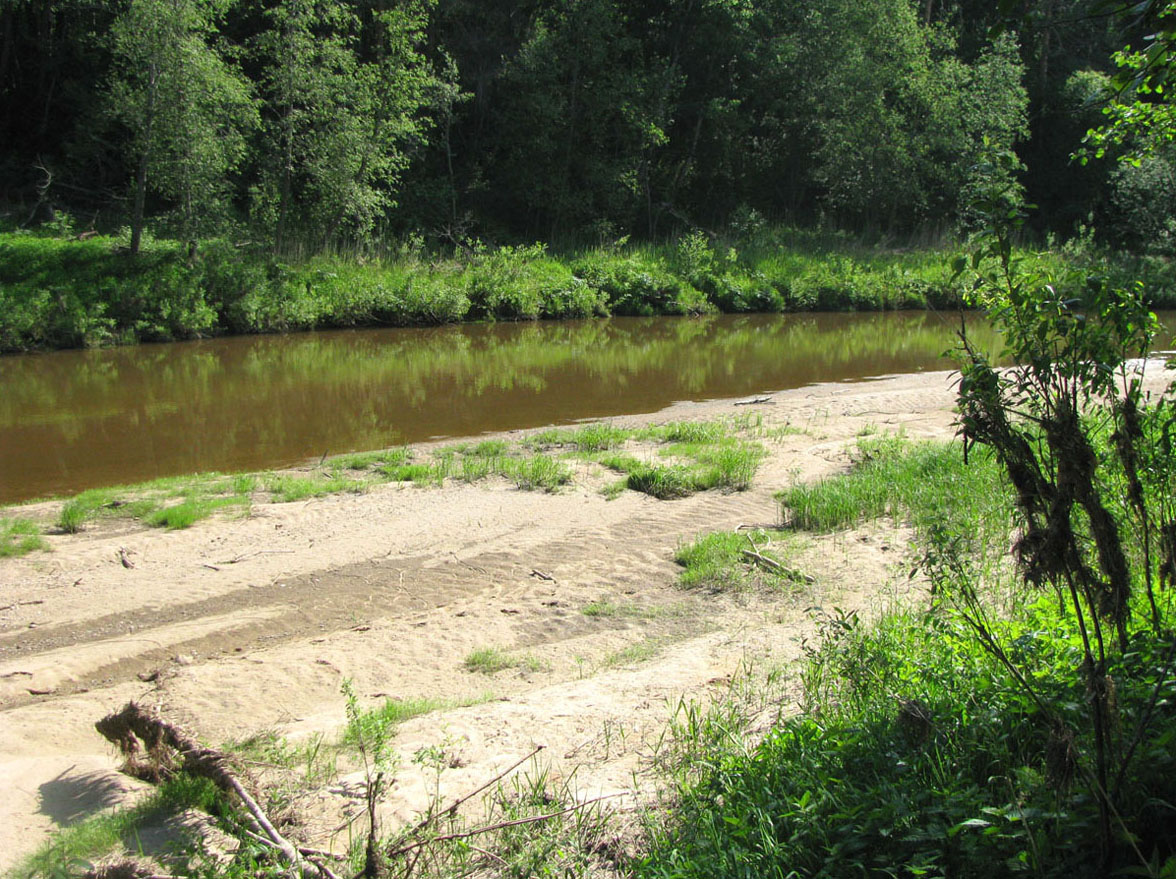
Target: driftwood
[[760, 559], [135, 728]]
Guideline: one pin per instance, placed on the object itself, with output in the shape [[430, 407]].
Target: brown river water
[[72, 420]]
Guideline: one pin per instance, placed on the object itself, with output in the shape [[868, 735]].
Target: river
[[71, 420]]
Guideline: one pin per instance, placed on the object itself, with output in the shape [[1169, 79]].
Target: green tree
[[898, 118], [186, 108], [337, 127], [580, 119]]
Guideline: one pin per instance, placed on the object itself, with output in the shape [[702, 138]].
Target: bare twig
[[22, 604], [248, 555], [500, 825], [453, 807]]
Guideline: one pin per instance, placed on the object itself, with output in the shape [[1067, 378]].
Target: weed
[[928, 482], [664, 483], [74, 849], [418, 474], [287, 488], [537, 472], [73, 516], [188, 512], [315, 759], [491, 660], [733, 561], [687, 432], [614, 490], [19, 537], [489, 449], [488, 660], [476, 468], [604, 607], [243, 484], [598, 437], [372, 460], [642, 651], [390, 713]]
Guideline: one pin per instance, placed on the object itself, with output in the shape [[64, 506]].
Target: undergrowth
[[59, 293], [921, 749]]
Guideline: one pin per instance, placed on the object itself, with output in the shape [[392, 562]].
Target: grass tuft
[[721, 562], [187, 513], [537, 472], [927, 482], [19, 537], [491, 660]]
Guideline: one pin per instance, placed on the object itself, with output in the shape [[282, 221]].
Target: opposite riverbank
[[72, 293]]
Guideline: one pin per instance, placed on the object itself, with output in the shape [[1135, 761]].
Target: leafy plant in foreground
[[1069, 427]]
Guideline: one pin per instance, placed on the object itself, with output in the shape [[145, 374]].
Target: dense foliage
[[304, 124]]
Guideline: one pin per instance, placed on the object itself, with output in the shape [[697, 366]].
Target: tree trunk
[[141, 174]]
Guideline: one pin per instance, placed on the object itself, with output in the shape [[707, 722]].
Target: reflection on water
[[77, 419]]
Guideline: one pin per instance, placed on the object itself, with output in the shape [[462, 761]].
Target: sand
[[240, 626]]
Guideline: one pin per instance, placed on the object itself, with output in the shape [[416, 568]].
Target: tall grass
[[924, 483]]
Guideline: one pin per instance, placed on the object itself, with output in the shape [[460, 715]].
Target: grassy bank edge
[[665, 461], [69, 293]]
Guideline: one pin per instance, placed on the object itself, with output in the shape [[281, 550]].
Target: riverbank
[[241, 627], [70, 293]]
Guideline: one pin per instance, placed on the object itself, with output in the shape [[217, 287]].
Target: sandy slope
[[244, 625]]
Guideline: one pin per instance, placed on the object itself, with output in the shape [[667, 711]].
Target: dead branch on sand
[[136, 730]]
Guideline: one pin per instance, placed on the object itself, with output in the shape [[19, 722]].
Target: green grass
[[19, 537], [700, 456], [71, 850], [924, 483], [697, 432], [187, 513], [418, 474], [918, 752], [61, 293], [664, 483], [121, 501], [287, 488], [634, 654], [719, 562], [491, 660], [539, 472], [604, 608], [390, 713], [372, 460], [703, 456]]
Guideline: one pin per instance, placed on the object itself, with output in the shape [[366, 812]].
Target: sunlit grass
[[19, 537], [732, 561]]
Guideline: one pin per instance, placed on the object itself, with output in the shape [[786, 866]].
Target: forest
[[302, 126]]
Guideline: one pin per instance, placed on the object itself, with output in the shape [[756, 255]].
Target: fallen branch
[[22, 604], [759, 558], [134, 729]]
